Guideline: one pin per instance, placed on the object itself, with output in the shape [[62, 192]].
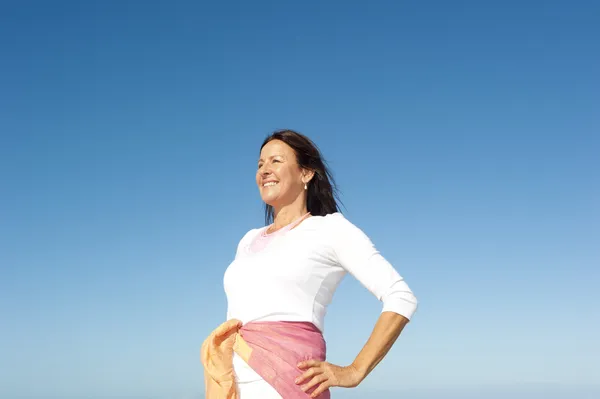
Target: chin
[[268, 199]]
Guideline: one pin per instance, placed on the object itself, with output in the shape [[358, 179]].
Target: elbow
[[401, 301]]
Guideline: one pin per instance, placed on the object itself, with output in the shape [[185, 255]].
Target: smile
[[270, 183]]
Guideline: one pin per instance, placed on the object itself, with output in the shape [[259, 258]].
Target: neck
[[287, 214]]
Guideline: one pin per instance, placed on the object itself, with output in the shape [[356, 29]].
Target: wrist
[[359, 371]]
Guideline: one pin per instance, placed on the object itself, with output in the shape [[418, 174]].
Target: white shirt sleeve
[[356, 253]]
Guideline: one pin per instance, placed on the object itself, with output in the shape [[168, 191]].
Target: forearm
[[386, 331]]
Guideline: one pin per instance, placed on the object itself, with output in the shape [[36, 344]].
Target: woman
[[283, 278]]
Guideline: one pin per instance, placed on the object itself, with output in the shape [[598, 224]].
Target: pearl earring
[[305, 186]]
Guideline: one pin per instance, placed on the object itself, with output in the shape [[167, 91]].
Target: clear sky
[[464, 137]]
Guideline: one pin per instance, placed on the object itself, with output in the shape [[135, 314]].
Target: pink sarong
[[272, 349]]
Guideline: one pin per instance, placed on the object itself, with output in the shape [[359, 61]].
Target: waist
[[267, 350], [289, 341], [313, 320]]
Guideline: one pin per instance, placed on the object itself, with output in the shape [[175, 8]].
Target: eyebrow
[[271, 157]]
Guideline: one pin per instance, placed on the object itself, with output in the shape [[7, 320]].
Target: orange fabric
[[217, 358]]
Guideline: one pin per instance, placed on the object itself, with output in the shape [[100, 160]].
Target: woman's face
[[279, 177]]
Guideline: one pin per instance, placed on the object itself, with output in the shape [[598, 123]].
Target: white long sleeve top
[[295, 276]]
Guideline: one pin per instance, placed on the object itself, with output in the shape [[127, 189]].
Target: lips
[[270, 183]]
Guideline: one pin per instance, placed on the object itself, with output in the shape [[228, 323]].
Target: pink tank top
[[263, 239]]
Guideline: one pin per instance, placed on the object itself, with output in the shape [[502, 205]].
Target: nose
[[265, 170], [265, 175]]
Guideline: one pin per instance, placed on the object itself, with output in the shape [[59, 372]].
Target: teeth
[[269, 184]]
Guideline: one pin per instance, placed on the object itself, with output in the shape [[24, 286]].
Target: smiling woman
[[283, 278], [291, 162]]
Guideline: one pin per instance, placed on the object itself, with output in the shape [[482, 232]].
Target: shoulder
[[336, 225], [336, 222], [249, 235], [348, 242], [246, 240]]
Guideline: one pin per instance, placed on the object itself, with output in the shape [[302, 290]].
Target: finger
[[317, 379], [311, 372], [308, 363], [321, 388]]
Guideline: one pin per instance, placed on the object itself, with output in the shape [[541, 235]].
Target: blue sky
[[463, 135]]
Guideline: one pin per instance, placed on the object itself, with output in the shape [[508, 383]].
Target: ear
[[307, 175]]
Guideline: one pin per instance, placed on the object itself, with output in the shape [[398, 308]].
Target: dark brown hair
[[322, 196]]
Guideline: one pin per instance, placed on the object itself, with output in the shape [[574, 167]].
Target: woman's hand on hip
[[323, 375]]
